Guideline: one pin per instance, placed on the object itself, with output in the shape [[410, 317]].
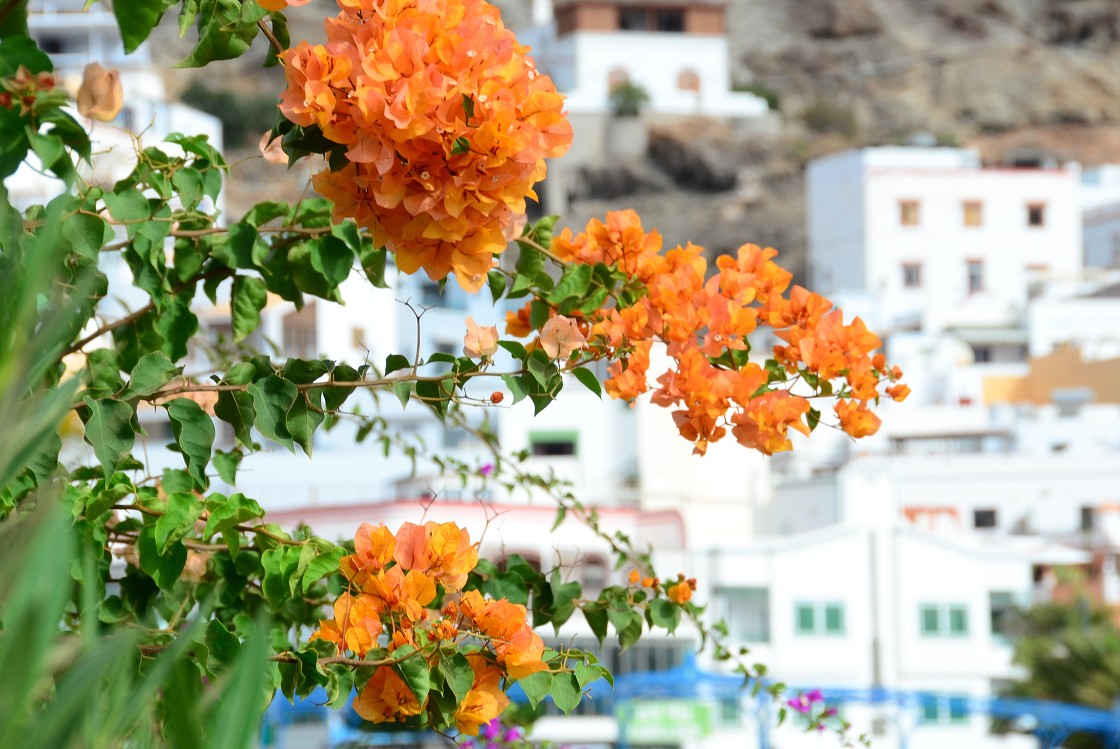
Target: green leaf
[[129, 207], [403, 390], [225, 513], [565, 692], [108, 428], [394, 362], [194, 434], [248, 298], [137, 18], [226, 464], [19, 50], [236, 409], [664, 613], [587, 673], [496, 280], [152, 371], [273, 397], [334, 397], [164, 569], [588, 379], [536, 686], [177, 520], [303, 419], [373, 261], [457, 674], [322, 565], [573, 284], [414, 671], [813, 418], [226, 29]]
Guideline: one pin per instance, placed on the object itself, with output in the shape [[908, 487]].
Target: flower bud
[[100, 96]]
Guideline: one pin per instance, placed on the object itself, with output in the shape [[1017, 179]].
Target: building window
[[688, 80], [1036, 214], [912, 275], [945, 710], [651, 19], [984, 518], [975, 274], [909, 212], [747, 613], [819, 618], [616, 78], [973, 211], [944, 620], [1002, 606], [553, 444], [593, 572], [1088, 519]]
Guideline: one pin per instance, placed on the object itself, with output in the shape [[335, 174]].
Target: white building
[[936, 240], [678, 52]]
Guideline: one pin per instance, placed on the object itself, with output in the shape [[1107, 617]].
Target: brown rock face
[[1082, 21], [836, 19]]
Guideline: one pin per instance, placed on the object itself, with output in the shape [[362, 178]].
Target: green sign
[[663, 721]]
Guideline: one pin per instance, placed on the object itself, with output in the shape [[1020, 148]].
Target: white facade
[[937, 240], [582, 64]]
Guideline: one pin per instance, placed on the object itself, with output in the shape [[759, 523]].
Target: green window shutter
[[930, 620], [834, 619], [958, 620], [806, 619]]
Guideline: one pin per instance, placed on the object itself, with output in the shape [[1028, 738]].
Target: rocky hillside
[[1019, 79]]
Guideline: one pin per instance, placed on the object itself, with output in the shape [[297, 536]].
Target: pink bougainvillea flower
[[803, 703], [480, 341], [560, 337]]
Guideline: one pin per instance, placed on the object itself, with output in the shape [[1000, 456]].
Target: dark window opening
[[1036, 214], [984, 518], [1088, 519]]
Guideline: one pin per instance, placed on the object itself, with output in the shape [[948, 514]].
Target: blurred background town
[[943, 169]]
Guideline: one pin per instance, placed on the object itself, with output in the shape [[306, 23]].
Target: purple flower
[[492, 730], [486, 470], [513, 733], [493, 745], [803, 703]]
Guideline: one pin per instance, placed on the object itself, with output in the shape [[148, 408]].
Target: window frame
[[911, 275], [819, 618], [972, 213], [945, 615], [905, 217], [974, 282], [1040, 207]]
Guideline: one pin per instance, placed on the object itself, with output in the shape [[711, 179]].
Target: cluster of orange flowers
[[393, 579], [699, 318], [679, 592], [446, 122]]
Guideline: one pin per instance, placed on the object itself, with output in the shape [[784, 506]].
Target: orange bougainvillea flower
[[680, 592], [356, 625], [442, 551], [485, 700], [445, 122], [518, 648], [386, 698], [704, 320]]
